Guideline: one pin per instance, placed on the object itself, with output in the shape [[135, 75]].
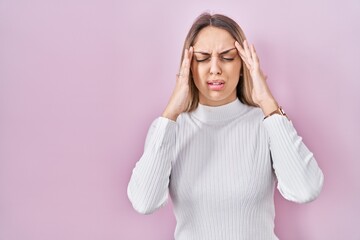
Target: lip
[[216, 85]]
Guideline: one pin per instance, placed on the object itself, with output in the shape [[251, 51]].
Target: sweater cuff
[[278, 125]]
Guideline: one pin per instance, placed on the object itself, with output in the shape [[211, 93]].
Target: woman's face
[[215, 66]]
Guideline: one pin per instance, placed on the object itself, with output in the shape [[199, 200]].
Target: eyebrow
[[223, 52]]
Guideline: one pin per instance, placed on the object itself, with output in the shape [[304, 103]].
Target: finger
[[248, 57], [183, 64], [240, 49], [191, 51], [247, 51], [247, 65], [254, 55], [190, 56], [187, 61], [183, 74], [242, 53]]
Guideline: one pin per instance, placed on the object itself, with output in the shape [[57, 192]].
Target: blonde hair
[[244, 87]]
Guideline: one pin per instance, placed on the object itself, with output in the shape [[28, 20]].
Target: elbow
[[307, 197], [142, 209], [313, 190], [141, 204], [305, 193]]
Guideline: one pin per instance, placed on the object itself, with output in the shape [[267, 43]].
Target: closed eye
[[202, 59], [228, 59], [205, 57]]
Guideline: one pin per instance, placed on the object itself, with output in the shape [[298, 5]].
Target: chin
[[216, 100]]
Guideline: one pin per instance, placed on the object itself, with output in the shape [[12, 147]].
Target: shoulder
[[254, 115], [255, 120], [184, 119]]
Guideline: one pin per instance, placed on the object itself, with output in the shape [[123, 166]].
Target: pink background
[[80, 82]]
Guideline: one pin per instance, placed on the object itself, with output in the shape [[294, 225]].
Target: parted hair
[[244, 87]]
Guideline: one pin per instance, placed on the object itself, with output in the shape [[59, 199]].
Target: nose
[[215, 67]]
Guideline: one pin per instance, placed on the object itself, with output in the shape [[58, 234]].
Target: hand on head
[[261, 94], [180, 97]]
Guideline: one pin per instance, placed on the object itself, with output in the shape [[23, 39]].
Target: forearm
[[299, 177], [268, 105], [148, 186]]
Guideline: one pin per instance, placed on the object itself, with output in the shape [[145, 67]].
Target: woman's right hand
[[180, 98]]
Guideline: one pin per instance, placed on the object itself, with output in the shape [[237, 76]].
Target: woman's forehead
[[212, 39], [225, 51]]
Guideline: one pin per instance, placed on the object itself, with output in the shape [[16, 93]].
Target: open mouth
[[216, 85]]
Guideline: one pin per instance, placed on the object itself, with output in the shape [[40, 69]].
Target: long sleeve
[[214, 163], [299, 177], [148, 186]]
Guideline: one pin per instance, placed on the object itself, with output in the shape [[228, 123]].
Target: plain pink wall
[[80, 82]]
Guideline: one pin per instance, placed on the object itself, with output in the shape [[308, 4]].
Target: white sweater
[[220, 166]]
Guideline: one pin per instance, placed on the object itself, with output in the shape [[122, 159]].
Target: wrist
[[169, 115], [269, 105], [279, 111]]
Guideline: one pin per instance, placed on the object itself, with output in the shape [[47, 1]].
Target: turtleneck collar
[[220, 113]]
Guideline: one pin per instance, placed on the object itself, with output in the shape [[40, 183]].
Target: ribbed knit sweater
[[220, 166]]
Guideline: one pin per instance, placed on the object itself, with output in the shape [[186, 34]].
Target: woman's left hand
[[261, 94]]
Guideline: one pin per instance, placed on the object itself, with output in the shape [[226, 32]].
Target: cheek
[[234, 71], [198, 72]]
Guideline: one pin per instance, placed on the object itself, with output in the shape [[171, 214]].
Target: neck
[[220, 113]]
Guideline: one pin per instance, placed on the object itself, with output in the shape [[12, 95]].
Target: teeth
[[216, 83]]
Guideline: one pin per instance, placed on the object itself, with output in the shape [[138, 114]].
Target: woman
[[222, 143]]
